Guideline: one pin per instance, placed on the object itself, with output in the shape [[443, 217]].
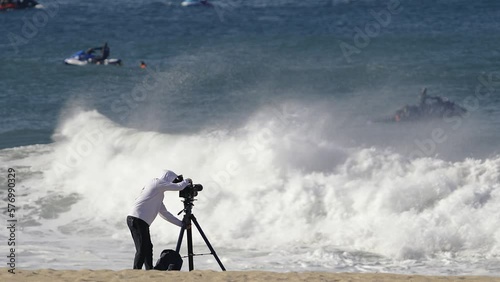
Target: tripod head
[[188, 206]]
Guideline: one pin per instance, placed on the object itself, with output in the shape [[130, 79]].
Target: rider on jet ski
[[104, 53], [440, 103], [424, 98]]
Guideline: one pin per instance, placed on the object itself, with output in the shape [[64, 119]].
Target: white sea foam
[[273, 191]]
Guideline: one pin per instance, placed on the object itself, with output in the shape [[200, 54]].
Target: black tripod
[[188, 217]]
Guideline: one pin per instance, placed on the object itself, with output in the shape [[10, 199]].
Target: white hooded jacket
[[150, 201]]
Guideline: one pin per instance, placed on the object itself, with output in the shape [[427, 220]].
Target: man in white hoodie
[[146, 208]]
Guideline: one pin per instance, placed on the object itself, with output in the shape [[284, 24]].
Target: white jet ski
[[81, 58], [187, 3]]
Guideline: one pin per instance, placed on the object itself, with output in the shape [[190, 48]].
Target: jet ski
[[19, 4], [187, 3], [438, 108], [82, 58]]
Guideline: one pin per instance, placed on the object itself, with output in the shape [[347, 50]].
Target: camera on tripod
[[188, 194], [190, 191]]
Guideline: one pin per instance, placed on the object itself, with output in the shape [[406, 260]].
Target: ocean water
[[273, 107]]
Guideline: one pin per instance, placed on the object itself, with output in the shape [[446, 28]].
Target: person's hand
[[188, 180]]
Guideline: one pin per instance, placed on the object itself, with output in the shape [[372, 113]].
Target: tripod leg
[[207, 242], [179, 241], [190, 248]]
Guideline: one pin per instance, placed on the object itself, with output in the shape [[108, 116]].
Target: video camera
[[190, 191]]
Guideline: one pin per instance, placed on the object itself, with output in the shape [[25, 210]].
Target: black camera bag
[[169, 260]]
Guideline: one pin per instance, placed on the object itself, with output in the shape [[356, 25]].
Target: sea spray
[[368, 199]]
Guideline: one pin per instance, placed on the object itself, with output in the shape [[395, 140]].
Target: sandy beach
[[51, 275]]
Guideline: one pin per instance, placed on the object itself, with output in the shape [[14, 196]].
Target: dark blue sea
[[283, 110]]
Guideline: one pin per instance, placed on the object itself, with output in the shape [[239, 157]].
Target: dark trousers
[[142, 240]]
